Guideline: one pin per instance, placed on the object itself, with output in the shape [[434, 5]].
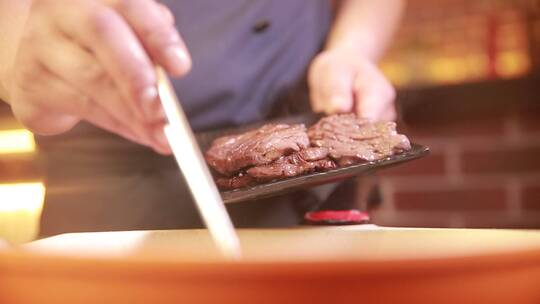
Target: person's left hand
[[344, 80]]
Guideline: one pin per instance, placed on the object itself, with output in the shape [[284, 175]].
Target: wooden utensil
[[196, 173]]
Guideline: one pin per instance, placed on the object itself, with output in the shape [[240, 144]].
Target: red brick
[[433, 164], [529, 123], [502, 160], [451, 199], [531, 197], [482, 127]]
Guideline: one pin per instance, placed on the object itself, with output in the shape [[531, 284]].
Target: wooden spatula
[[196, 173]]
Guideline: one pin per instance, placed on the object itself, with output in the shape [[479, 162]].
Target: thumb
[[337, 92], [367, 103], [374, 96]]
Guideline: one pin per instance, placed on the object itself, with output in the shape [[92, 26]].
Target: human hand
[[94, 60], [343, 80]]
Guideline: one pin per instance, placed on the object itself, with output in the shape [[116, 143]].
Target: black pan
[[309, 180]]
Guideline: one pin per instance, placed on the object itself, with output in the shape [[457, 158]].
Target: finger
[[316, 105], [102, 119], [167, 14], [314, 96], [63, 105], [39, 120], [157, 34], [335, 89], [105, 33], [389, 113], [368, 103], [314, 99], [163, 147], [80, 69], [85, 108], [41, 102], [374, 95]]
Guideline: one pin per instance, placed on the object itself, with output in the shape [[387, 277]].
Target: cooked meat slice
[[277, 151], [303, 162], [345, 125], [239, 181], [352, 140], [230, 154], [276, 170], [348, 126], [313, 153]]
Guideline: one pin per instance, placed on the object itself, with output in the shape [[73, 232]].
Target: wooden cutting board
[[306, 264]]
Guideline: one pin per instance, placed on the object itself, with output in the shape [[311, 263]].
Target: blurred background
[[468, 79], [467, 74]]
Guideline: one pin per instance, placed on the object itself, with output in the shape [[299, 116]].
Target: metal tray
[[309, 180]]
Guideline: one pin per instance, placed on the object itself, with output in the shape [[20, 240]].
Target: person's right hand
[[94, 60]]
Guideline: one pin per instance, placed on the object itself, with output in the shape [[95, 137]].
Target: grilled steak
[[278, 151], [352, 140], [230, 154], [298, 163], [305, 161], [239, 181]]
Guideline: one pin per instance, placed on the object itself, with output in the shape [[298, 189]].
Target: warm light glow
[[512, 63], [477, 65], [20, 211], [16, 141], [448, 69], [396, 72]]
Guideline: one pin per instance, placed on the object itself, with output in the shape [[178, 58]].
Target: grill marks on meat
[[351, 140], [230, 154], [303, 162], [277, 151]]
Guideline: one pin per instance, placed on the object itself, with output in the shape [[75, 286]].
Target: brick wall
[[484, 169]]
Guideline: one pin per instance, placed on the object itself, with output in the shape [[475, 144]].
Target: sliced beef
[[352, 140], [313, 153], [278, 151], [239, 181], [306, 161], [230, 154]]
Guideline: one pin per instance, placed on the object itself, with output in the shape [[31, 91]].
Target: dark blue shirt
[[246, 53]]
